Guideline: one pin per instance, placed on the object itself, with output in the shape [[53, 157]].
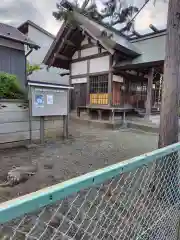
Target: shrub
[[10, 87]]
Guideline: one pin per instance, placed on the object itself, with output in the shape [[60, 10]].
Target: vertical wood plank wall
[[116, 94], [13, 61]]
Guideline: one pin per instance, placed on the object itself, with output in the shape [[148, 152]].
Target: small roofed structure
[[12, 51], [110, 70]]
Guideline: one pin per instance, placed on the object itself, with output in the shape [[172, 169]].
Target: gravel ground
[[86, 150]]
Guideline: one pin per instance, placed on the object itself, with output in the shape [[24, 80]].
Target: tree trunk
[[169, 108], [170, 96]]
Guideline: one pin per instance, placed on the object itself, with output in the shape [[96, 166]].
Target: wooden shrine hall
[[110, 71]]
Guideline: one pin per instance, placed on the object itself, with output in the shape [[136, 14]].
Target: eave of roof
[[29, 22], [53, 45], [95, 31], [12, 33], [28, 42], [149, 36]]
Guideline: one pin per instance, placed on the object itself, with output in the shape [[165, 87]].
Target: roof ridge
[[100, 23]]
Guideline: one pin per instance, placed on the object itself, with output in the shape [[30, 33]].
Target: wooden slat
[[56, 55]]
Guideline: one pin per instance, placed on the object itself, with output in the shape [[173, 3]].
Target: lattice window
[[99, 84], [138, 88]]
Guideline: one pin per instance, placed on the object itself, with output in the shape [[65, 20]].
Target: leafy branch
[[32, 68]]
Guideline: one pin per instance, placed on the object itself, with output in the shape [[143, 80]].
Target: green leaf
[[32, 68], [10, 87]]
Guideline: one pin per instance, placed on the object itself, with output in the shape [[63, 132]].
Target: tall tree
[[112, 13]]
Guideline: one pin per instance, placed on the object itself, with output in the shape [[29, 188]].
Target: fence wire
[[143, 204]]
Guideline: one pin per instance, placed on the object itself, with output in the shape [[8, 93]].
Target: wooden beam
[[137, 34], [68, 42], [152, 27], [88, 84], [98, 55], [110, 79], [61, 44], [57, 55], [149, 93], [130, 76]]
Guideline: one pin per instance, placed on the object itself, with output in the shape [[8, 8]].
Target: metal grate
[[137, 200], [99, 84], [99, 89]]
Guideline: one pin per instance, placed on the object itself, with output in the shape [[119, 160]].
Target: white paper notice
[[49, 99]]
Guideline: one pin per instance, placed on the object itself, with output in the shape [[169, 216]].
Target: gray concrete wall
[[14, 123]]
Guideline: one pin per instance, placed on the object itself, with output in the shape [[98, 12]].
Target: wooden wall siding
[[85, 41], [79, 95], [116, 94], [79, 68], [103, 50], [13, 61], [100, 64], [117, 78], [89, 51], [75, 56], [11, 44], [14, 123], [79, 80]]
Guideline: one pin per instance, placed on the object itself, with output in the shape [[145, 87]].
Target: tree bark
[[169, 126], [168, 133]]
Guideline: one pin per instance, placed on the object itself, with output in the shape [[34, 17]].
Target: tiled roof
[[9, 32]]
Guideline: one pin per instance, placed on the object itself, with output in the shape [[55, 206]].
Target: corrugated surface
[[13, 61]]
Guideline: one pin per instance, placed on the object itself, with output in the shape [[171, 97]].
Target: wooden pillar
[[149, 93], [110, 78], [88, 84], [30, 114], [42, 129], [99, 114], [65, 126]]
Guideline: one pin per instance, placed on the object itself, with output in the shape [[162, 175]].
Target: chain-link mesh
[[143, 204]]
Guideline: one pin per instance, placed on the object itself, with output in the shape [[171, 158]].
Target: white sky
[[15, 12]]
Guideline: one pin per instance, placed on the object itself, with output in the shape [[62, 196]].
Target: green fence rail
[[136, 199]]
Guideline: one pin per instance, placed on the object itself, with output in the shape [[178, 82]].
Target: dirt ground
[[86, 150]]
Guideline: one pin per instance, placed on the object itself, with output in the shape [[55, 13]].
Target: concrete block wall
[[14, 124]]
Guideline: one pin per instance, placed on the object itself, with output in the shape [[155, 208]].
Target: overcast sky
[[15, 12]]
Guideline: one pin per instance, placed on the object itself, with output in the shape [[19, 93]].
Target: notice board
[[49, 102]]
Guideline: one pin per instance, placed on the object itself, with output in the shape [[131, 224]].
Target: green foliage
[[32, 68], [113, 12], [9, 87]]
